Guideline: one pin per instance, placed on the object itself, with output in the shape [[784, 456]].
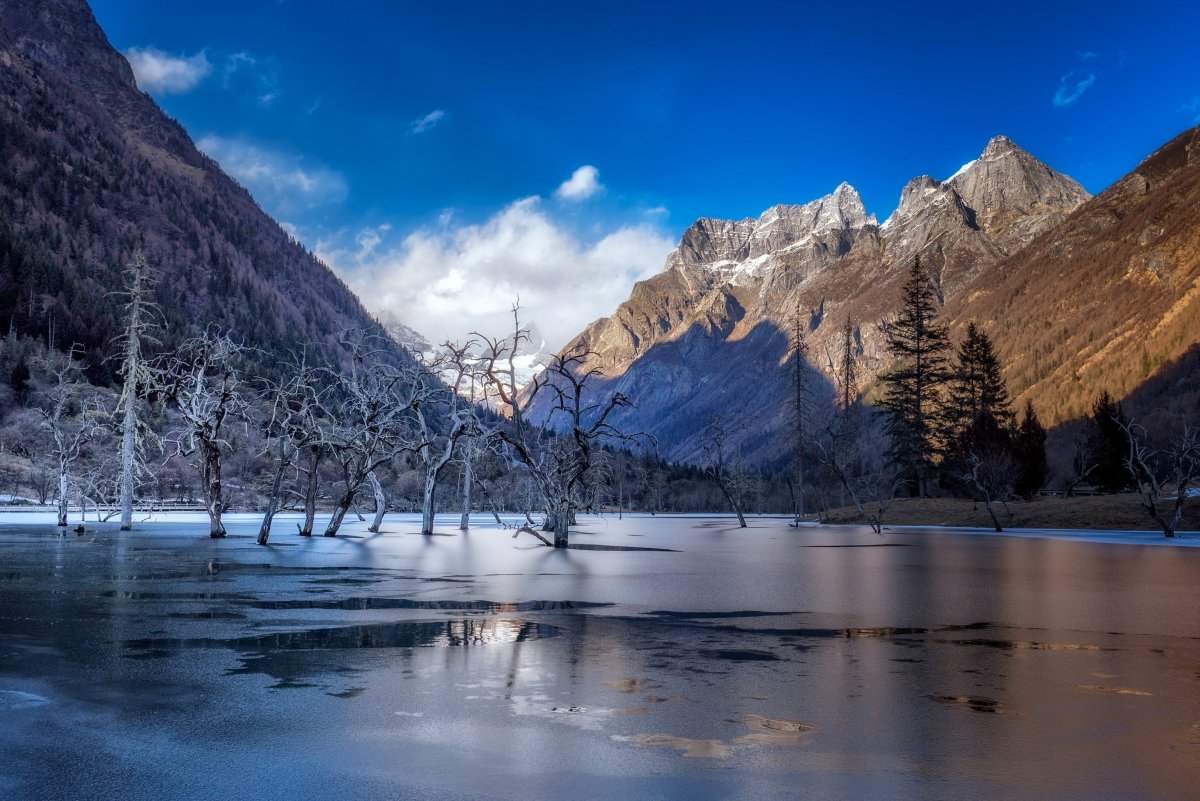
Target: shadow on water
[[297, 659], [408, 634], [369, 602], [575, 546]]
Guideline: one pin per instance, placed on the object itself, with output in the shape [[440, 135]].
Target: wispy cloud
[[1071, 87], [283, 183], [233, 63], [582, 184], [1191, 108], [423, 124], [161, 73], [449, 279], [255, 77]]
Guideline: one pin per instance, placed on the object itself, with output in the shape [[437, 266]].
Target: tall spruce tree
[[1108, 443], [800, 408], [976, 386], [1029, 447], [848, 367], [913, 388], [978, 415]]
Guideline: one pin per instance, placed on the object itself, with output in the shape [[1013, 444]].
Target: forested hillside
[[91, 171]]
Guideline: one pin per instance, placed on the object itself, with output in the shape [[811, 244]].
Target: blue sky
[[422, 149]]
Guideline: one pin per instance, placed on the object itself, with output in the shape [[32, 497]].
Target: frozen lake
[[772, 662]]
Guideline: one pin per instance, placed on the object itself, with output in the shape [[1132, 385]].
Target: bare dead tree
[[718, 463], [839, 446], [202, 381], [452, 404], [477, 442], [1155, 470], [1083, 461], [470, 450], [296, 407], [366, 426], [556, 462], [836, 451], [137, 377], [98, 482], [71, 416], [992, 474]]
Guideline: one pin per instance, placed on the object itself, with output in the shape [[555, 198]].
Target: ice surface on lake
[[770, 662]]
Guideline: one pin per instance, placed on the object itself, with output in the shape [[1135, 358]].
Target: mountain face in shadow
[[92, 170]]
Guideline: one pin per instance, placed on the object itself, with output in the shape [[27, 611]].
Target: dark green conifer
[[1029, 447], [913, 387]]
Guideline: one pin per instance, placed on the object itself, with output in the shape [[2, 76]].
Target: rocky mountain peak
[[1013, 195], [722, 243], [781, 227], [915, 192], [1007, 178], [64, 35], [998, 146]]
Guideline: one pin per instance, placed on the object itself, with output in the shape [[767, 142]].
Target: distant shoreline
[[897, 520]]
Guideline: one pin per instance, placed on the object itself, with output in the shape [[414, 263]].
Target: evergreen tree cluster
[[949, 418]]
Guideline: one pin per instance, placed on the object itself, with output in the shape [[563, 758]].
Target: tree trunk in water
[[562, 525], [212, 490], [427, 504], [264, 531], [310, 493], [62, 497], [736, 506], [464, 524], [128, 443], [339, 514], [992, 512], [380, 503]]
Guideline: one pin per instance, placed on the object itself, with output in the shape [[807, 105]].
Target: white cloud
[[161, 73], [449, 280], [423, 124], [283, 183], [582, 184], [1071, 88]]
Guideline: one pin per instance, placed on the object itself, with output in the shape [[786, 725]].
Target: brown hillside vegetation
[[1104, 300], [1102, 512]]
